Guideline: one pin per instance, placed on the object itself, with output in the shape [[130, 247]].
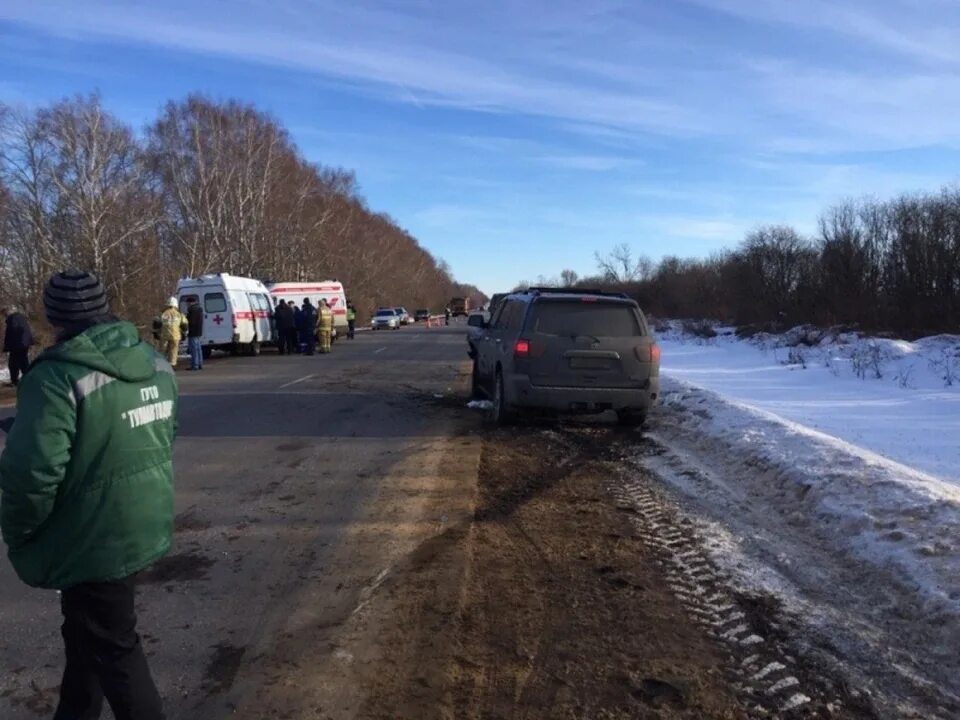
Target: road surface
[[298, 481]]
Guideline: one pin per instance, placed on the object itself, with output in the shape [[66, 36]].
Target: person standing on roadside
[[309, 330], [351, 321], [172, 326], [294, 339], [195, 334], [17, 341], [283, 314], [325, 326], [86, 492]]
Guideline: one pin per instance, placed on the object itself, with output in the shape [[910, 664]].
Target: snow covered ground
[[834, 489], [909, 414]]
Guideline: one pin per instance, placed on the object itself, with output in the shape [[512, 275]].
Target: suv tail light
[[521, 349], [649, 353]]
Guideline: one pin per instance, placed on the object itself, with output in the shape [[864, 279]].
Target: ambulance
[[237, 314], [330, 290]]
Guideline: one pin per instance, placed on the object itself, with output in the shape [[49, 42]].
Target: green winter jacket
[[86, 476]]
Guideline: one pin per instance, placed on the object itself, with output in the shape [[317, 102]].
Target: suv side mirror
[[476, 321]]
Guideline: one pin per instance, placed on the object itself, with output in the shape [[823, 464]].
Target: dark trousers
[[283, 342], [104, 655], [18, 364], [351, 328], [293, 342]]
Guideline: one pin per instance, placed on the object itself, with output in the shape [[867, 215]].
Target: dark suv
[[567, 351]]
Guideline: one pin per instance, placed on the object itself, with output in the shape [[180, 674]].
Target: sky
[[518, 138]]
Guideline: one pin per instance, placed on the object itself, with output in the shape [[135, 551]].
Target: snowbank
[[885, 513], [833, 470], [899, 399]]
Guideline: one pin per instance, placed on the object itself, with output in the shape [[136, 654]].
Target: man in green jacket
[[87, 492]]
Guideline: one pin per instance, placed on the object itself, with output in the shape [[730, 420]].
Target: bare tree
[[568, 278], [620, 266]]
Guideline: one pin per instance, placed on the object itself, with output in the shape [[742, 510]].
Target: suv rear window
[[570, 319]]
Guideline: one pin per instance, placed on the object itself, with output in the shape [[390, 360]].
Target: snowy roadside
[[863, 550], [899, 399]]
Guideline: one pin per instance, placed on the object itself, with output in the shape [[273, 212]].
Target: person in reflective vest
[[173, 325], [351, 320], [325, 326]]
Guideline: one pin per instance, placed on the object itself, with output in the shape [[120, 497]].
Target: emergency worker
[[173, 325], [351, 320], [308, 333], [325, 326]]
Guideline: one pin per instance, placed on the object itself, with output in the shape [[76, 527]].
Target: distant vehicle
[[330, 290], [421, 315], [237, 314], [385, 318], [404, 315], [459, 306], [567, 351]]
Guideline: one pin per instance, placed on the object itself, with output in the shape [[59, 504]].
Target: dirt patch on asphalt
[[181, 567], [546, 606]]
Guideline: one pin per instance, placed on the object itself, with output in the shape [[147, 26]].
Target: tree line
[[879, 265], [207, 187]]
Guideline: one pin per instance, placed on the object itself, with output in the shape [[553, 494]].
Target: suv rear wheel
[[500, 414]]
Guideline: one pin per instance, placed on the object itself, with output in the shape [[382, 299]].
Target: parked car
[[566, 351], [385, 318], [421, 315], [403, 315]]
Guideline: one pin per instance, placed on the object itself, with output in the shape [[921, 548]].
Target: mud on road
[[562, 599]]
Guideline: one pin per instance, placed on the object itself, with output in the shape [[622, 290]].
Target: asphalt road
[[298, 479]]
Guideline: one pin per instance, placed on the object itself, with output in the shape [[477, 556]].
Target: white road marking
[[380, 350], [297, 382]]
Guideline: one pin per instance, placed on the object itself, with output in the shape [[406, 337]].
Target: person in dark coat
[[17, 342], [286, 328], [308, 332], [294, 339], [298, 327]]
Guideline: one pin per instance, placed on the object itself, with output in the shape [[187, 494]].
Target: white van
[[237, 314], [330, 290]]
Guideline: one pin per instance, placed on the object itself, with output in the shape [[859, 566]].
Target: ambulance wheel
[[206, 352], [235, 349]]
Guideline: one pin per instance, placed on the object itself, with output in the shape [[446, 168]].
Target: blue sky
[[514, 139]]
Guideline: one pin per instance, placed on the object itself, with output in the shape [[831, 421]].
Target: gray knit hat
[[74, 296]]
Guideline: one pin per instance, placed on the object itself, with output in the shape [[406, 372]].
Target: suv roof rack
[[539, 290]]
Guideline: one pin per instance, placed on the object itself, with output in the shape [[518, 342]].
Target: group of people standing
[[299, 329]]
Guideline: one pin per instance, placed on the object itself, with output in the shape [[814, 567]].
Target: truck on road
[[459, 306]]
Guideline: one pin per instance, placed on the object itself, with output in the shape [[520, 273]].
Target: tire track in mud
[[771, 677]]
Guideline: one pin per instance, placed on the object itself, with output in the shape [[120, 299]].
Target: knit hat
[[74, 296]]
